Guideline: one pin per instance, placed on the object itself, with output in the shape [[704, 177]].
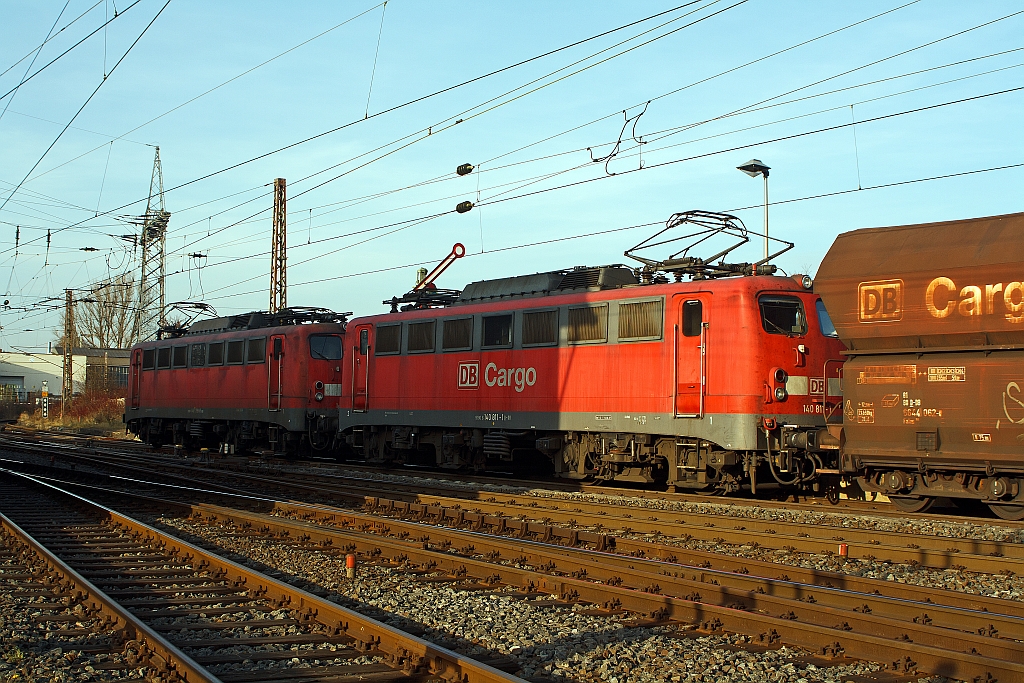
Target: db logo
[[880, 301], [469, 375]]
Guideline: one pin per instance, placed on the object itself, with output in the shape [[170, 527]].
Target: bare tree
[[105, 318]]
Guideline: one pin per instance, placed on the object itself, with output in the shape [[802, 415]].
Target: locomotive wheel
[[912, 503], [1011, 512]]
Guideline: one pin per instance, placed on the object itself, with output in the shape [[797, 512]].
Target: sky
[[858, 108]]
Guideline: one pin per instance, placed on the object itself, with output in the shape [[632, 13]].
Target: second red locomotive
[[609, 373]]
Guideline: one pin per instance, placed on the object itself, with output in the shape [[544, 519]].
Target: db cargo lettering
[[943, 298], [880, 301], [507, 377]]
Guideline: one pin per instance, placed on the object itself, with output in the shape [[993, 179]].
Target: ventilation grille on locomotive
[[640, 320]]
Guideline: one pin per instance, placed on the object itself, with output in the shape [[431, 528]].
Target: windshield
[[325, 346], [824, 321], [783, 315]]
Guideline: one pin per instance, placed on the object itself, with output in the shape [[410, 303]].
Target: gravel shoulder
[[546, 642]]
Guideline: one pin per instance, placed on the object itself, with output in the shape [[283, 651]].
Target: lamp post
[[754, 168]]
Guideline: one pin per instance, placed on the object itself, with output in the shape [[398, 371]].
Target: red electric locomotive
[[239, 382], [608, 373]]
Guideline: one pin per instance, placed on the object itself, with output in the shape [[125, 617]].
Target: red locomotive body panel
[[634, 363], [222, 387]]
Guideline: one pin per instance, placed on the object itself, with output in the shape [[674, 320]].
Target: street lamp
[[754, 168]]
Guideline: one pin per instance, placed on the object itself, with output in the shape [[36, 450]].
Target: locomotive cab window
[[216, 355], [540, 327], [824, 320], [498, 331], [256, 350], [783, 315], [421, 337], [389, 339], [236, 349], [588, 324], [163, 357], [180, 356], [457, 335], [198, 359], [148, 359], [693, 317], [325, 346]]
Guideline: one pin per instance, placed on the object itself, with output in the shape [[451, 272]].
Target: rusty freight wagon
[[933, 319]]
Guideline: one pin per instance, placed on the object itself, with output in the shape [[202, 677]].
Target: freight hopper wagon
[[605, 373], [933, 317], [257, 380]]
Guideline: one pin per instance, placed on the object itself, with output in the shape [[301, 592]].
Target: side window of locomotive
[[421, 337], [824, 321], [364, 342], [783, 315], [180, 356], [148, 359], [693, 317], [640, 320], [216, 354], [389, 339], [236, 349], [457, 335], [163, 357], [588, 324], [325, 346], [498, 331], [256, 350], [540, 327], [198, 359]]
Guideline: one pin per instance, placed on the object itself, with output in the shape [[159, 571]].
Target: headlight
[[807, 282], [320, 395], [780, 394], [780, 376], [319, 386]]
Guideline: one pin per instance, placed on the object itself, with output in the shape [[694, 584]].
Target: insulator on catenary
[[464, 169], [463, 207]]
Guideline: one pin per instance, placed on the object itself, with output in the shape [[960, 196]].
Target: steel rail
[[406, 652], [634, 547], [825, 630], [115, 446], [162, 656], [926, 550]]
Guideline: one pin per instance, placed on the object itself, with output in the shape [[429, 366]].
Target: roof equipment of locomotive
[[296, 315], [426, 294], [704, 228]]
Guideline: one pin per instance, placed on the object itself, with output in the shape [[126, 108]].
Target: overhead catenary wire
[[68, 50], [14, 91], [51, 37], [405, 224], [405, 104], [88, 99]]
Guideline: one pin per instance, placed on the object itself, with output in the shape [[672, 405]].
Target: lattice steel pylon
[[152, 301], [279, 250]]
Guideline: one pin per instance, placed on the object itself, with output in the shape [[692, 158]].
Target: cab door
[[691, 355], [360, 367], [135, 387], [275, 379]]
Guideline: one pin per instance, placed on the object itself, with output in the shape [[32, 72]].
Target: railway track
[[932, 630], [607, 513], [191, 615], [16, 436]]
